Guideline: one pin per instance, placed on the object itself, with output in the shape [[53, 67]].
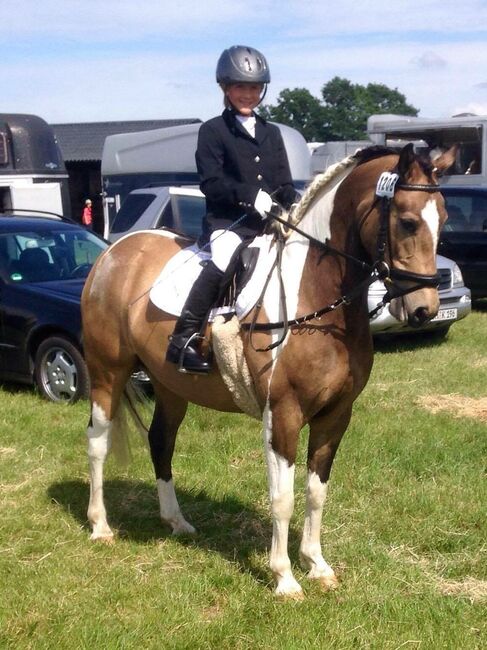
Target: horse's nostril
[[420, 316]]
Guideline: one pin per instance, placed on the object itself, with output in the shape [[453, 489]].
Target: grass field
[[405, 523]]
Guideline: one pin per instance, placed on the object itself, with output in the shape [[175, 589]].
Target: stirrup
[[192, 339]]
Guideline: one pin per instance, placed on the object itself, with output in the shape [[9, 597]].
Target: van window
[[132, 208]]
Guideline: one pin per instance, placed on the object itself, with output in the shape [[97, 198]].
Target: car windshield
[[28, 256], [466, 212], [132, 208]]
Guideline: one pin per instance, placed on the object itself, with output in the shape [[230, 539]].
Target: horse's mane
[[319, 183], [360, 157]]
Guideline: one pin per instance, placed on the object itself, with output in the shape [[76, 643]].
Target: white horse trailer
[[469, 132], [166, 157]]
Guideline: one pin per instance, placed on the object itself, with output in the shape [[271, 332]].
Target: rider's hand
[[263, 203]]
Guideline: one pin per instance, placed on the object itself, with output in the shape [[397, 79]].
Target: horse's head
[[404, 237]]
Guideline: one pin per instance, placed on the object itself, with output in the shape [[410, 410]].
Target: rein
[[379, 270]]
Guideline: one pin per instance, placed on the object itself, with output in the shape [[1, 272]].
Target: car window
[[30, 256], [188, 214], [466, 213], [132, 208]]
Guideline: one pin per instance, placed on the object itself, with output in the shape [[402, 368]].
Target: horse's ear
[[406, 159], [445, 160]]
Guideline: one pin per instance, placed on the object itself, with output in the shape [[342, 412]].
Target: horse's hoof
[[289, 589], [184, 528], [103, 539], [328, 583], [296, 596]]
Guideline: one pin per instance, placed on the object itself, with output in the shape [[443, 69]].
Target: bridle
[[387, 186]]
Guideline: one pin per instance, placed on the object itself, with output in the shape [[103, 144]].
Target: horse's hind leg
[[325, 435], [168, 414]]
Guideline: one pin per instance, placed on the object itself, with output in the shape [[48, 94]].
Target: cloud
[[429, 60], [473, 107], [86, 60]]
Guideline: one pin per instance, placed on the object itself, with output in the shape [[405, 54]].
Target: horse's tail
[[120, 425]]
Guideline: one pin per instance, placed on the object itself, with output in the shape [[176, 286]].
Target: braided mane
[[318, 184]]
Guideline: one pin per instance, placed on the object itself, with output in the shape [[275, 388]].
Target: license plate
[[445, 314]]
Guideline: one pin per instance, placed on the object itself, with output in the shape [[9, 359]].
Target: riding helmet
[[242, 64]]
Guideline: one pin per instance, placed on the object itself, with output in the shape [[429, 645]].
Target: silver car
[[455, 303]]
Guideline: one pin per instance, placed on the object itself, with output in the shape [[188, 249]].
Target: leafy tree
[[299, 109], [341, 114]]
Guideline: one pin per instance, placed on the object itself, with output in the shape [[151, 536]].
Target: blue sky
[[104, 60]]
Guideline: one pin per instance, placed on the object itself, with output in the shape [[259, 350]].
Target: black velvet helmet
[[242, 64]]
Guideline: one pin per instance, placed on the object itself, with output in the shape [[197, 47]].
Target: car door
[[464, 237], [15, 313]]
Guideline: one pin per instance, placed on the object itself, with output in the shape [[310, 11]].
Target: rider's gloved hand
[[263, 204]]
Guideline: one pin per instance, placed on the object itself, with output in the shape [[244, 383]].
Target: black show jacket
[[233, 167]]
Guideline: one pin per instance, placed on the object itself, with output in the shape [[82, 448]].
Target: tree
[[299, 109], [341, 114]]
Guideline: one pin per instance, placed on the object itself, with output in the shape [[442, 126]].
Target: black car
[[464, 236], [44, 263]]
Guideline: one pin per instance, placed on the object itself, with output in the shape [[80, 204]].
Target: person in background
[[87, 217], [241, 162]]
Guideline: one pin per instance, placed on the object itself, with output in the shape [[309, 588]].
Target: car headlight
[[457, 276]]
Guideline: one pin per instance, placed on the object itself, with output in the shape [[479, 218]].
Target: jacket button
[[257, 158], [259, 177]]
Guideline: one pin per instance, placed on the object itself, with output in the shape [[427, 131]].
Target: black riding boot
[[184, 343]]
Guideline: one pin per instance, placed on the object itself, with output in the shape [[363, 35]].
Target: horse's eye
[[409, 225]]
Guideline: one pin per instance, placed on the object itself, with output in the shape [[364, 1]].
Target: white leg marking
[[169, 507], [98, 446], [310, 549], [430, 214], [281, 490]]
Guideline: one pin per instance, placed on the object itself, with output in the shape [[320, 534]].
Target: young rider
[[241, 161]]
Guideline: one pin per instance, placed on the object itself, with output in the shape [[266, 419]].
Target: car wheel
[[60, 371]]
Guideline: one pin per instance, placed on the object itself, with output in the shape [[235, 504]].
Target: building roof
[[84, 141]]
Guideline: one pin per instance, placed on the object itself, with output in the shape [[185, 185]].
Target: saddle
[[241, 285]]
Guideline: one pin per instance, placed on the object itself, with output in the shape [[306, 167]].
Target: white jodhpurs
[[223, 244]]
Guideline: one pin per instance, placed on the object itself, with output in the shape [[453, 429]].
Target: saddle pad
[[171, 288]]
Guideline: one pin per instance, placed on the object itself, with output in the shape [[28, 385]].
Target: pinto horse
[[343, 235]]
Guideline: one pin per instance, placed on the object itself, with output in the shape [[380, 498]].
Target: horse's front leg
[[280, 440], [325, 435]]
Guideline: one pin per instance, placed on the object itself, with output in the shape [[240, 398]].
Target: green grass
[[404, 525]]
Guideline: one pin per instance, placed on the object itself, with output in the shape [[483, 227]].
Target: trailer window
[[435, 141], [3, 149]]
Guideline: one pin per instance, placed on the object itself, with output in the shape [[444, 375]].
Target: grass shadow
[[226, 526], [408, 342]]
